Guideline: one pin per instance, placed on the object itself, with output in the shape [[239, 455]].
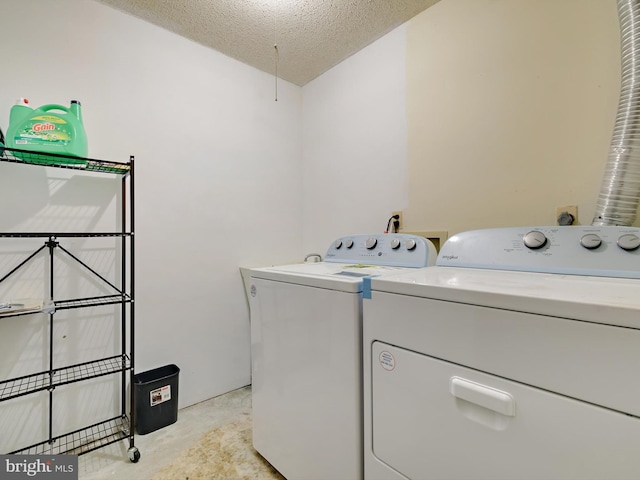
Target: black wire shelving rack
[[120, 427]]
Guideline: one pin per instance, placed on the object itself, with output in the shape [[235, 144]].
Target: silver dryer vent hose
[[620, 190]]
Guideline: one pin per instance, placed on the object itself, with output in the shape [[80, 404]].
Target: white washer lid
[[346, 277], [612, 301]]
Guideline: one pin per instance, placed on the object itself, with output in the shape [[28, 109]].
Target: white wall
[[354, 138], [511, 107], [474, 114], [218, 185]]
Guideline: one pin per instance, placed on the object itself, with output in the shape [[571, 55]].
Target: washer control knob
[[590, 241], [534, 239], [338, 244], [349, 243], [411, 244], [371, 243], [395, 244], [629, 242]]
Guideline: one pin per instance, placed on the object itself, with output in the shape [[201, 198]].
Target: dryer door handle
[[487, 397]]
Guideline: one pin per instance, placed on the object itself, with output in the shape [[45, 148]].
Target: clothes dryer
[[306, 346], [515, 357]]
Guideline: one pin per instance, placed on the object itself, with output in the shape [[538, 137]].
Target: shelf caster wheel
[[134, 454]]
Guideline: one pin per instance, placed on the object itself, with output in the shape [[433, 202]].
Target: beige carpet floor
[[224, 453]]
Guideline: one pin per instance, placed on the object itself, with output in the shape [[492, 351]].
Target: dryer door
[[436, 420]]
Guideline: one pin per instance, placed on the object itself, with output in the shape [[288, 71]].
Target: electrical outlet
[[563, 211], [401, 224]]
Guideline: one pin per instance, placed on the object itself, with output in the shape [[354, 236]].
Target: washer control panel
[[389, 249], [571, 250]]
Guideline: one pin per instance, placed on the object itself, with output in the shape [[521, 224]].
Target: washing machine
[[306, 347], [516, 357]]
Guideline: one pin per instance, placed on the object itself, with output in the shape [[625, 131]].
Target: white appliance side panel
[[490, 428], [306, 346], [592, 362]]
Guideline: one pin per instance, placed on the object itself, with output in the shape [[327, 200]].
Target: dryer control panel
[[571, 250], [389, 249]]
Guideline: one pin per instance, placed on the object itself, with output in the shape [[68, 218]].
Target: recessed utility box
[[437, 237]]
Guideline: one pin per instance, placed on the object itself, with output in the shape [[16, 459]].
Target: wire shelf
[[91, 302], [63, 234], [49, 307], [16, 155], [82, 441], [17, 387], [120, 366]]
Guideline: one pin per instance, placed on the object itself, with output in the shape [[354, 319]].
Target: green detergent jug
[[47, 129]]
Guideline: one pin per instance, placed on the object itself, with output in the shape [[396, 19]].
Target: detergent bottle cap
[[22, 101], [76, 109]]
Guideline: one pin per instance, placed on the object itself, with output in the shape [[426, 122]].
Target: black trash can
[[156, 398]]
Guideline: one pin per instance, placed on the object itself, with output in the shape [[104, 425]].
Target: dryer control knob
[[395, 244], [411, 244], [338, 244], [629, 242], [534, 239], [590, 241], [349, 243], [371, 243]]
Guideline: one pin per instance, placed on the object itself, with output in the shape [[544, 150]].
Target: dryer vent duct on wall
[[620, 191]]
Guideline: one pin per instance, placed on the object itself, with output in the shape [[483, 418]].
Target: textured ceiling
[[311, 35]]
